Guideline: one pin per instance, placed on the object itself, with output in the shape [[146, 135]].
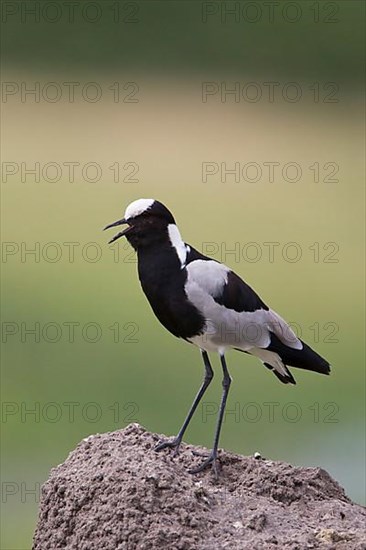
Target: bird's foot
[[199, 453], [169, 443], [211, 460]]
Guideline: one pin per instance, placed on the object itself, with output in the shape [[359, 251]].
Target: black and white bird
[[205, 303]]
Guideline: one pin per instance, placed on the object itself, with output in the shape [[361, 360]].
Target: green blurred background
[[134, 370]]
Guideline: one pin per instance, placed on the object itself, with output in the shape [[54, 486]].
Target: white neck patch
[[177, 243], [138, 207]]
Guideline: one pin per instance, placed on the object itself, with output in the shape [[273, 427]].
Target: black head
[[147, 221]]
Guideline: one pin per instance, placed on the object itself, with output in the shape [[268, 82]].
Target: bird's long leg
[[212, 458], [206, 382]]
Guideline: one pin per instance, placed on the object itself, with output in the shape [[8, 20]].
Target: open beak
[[121, 233]]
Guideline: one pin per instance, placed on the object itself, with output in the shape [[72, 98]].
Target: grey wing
[[235, 315]]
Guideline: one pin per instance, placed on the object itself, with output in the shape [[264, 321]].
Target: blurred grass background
[[169, 51]]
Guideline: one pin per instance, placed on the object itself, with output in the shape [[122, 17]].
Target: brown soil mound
[[115, 493]]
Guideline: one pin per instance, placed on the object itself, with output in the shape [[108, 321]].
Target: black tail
[[305, 358]]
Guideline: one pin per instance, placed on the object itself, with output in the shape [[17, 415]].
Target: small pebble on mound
[[115, 493]]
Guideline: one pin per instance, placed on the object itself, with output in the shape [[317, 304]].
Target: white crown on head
[[138, 207]]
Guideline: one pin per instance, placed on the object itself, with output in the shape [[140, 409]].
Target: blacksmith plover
[[205, 303]]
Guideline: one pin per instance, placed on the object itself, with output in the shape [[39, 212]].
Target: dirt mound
[[115, 493]]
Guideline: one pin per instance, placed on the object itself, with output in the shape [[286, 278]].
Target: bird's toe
[[199, 453], [169, 443], [212, 461]]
